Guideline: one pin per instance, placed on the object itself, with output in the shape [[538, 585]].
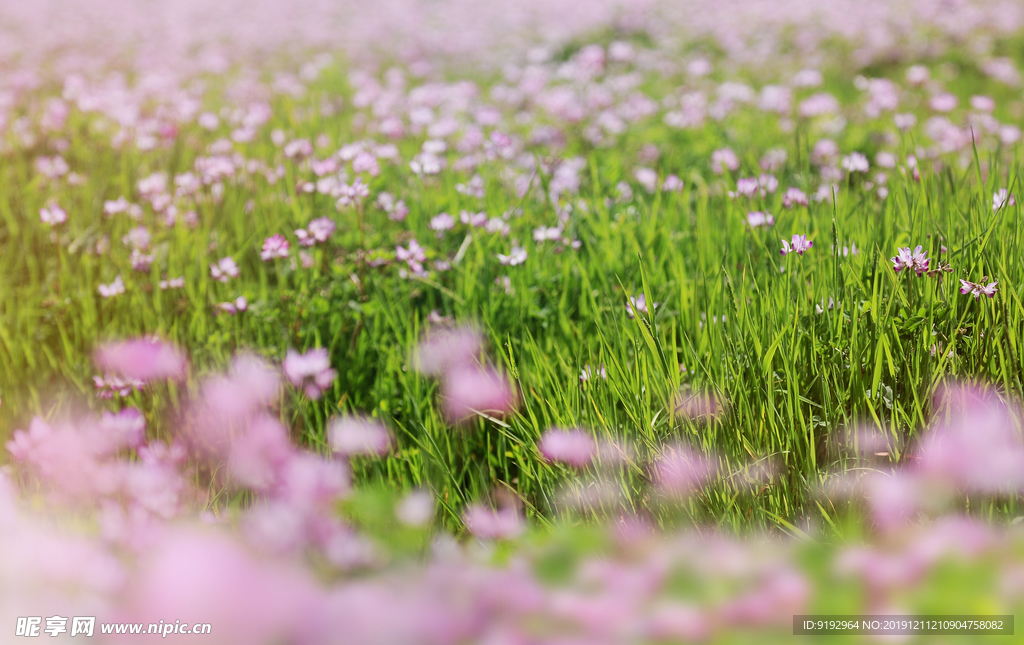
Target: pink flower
[[322, 228], [310, 371], [678, 621], [366, 162], [109, 385], [414, 256], [978, 289], [800, 243], [416, 509], [321, 167], [757, 219], [491, 524], [229, 401], [144, 359], [781, 593], [298, 148], [353, 436], [647, 178], [915, 260], [794, 196], [573, 447], [141, 261], [52, 167], [893, 499], [944, 102], [115, 288], [680, 471], [53, 215], [224, 269], [201, 576], [544, 233], [817, 105], [856, 162], [983, 103], [473, 219], [639, 304], [468, 390], [414, 252], [672, 184], [239, 305], [274, 247], [973, 446], [905, 121], [1002, 198], [350, 195], [257, 456], [449, 349], [442, 222], [724, 159], [515, 257], [112, 207], [746, 187]]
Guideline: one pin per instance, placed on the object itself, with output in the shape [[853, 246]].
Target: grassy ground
[[740, 317]]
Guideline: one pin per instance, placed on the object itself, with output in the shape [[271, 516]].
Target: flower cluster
[[978, 289], [468, 388], [915, 260], [798, 245], [310, 372]]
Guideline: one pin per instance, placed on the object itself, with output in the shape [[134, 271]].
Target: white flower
[[515, 257], [115, 288]]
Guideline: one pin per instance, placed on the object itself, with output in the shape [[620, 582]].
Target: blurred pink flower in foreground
[[416, 508], [354, 436], [489, 523], [310, 371], [143, 359], [245, 599], [893, 499], [283, 576], [109, 385], [679, 471], [973, 444], [573, 447], [471, 389], [448, 348]]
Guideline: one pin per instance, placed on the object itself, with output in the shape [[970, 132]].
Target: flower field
[[561, 322]]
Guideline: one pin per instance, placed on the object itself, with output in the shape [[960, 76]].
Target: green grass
[[795, 379]]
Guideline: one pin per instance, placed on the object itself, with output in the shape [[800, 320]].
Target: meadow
[[647, 326]]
